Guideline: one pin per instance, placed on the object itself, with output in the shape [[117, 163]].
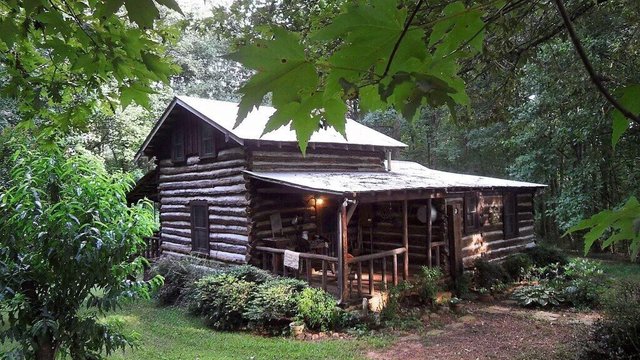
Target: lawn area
[[170, 333], [621, 270]]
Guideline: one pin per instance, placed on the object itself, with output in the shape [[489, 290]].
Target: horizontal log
[[235, 200], [176, 239], [525, 216], [178, 248], [229, 229], [229, 248], [227, 257], [190, 176], [172, 254], [218, 190], [234, 239], [186, 233], [231, 153], [261, 154], [201, 167], [199, 184], [175, 224], [213, 219], [213, 210]]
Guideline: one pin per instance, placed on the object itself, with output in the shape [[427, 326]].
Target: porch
[[352, 246]]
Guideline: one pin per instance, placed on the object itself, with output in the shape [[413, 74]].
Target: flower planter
[[297, 329]]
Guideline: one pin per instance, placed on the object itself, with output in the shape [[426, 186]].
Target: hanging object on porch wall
[[422, 214]]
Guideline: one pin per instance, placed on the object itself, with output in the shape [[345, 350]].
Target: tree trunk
[[46, 350]]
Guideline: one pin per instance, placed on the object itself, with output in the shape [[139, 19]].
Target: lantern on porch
[[422, 214]]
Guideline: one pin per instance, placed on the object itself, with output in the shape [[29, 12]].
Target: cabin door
[[454, 231]]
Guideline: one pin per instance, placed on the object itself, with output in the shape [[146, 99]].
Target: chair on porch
[[277, 240]]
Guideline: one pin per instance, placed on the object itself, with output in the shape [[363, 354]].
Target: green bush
[[428, 283], [585, 283], [318, 309], [538, 295], [222, 299], [462, 285], [396, 295], [180, 275], [543, 255], [617, 336], [274, 305], [488, 274], [516, 265], [250, 273]]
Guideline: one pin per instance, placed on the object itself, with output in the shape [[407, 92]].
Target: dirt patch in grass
[[493, 332]]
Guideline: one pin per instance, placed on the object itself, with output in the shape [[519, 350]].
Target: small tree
[[69, 249]]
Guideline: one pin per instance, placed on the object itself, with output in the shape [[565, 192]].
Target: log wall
[[489, 242], [221, 183], [319, 159]]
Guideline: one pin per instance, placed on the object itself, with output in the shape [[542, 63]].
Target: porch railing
[[152, 247], [307, 260], [384, 258]]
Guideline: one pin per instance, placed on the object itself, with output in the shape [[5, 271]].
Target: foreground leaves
[[68, 252], [62, 60], [613, 226], [383, 60]]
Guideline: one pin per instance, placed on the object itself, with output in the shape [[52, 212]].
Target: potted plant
[[454, 304], [484, 295], [296, 327]]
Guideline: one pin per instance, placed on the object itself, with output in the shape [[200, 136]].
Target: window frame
[[510, 202], [471, 224], [178, 140], [207, 132], [196, 247]]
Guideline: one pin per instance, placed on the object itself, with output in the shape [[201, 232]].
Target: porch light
[[319, 201]]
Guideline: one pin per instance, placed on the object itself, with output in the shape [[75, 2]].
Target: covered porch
[[352, 243]]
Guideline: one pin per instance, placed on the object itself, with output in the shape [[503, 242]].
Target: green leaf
[[171, 4], [282, 69], [629, 99], [142, 12]]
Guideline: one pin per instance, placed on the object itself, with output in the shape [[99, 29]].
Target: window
[[509, 215], [207, 143], [471, 212], [200, 227], [177, 145]]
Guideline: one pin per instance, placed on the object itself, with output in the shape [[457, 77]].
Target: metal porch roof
[[404, 175]]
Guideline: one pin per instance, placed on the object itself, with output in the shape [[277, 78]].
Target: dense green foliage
[[427, 283], [274, 304], [63, 60], [68, 252], [515, 265], [579, 283], [543, 255], [488, 274], [239, 297], [617, 336], [179, 279], [318, 309]]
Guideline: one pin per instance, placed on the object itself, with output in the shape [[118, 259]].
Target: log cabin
[[345, 216]]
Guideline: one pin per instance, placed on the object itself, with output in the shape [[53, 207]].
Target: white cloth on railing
[[291, 259]]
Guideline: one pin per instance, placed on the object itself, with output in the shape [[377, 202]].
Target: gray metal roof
[[404, 175]]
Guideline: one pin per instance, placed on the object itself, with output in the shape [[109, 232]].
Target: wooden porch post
[[429, 231], [405, 239], [343, 248]]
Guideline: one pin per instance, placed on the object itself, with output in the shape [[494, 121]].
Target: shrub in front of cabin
[[543, 255], [222, 299], [516, 265], [488, 274], [179, 275], [428, 283], [250, 273], [274, 305], [318, 309]]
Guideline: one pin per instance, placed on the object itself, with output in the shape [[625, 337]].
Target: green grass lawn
[[621, 270], [170, 333]]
